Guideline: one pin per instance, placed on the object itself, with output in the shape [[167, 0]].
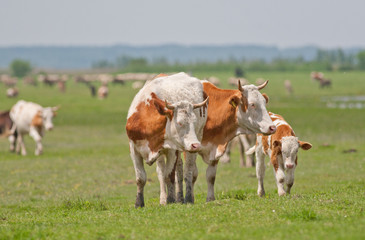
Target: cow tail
[[251, 150]]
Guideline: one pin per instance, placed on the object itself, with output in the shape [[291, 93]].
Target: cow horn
[[240, 86], [263, 85], [168, 106], [201, 104]]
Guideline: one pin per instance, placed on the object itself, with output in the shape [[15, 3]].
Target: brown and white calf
[[166, 116], [282, 147], [230, 113], [33, 119]]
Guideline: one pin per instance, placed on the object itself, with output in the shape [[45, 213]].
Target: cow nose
[[289, 165], [195, 146], [272, 129]]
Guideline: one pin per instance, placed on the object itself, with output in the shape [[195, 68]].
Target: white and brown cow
[[6, 125], [282, 147], [166, 116], [33, 119], [230, 113]]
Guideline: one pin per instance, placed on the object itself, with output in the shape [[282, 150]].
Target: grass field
[[83, 187]]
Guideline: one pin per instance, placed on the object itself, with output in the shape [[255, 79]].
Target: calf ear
[[160, 107], [266, 97], [54, 109], [305, 145]]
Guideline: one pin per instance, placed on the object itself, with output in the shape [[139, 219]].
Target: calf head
[[288, 148], [252, 114], [181, 126], [48, 114]]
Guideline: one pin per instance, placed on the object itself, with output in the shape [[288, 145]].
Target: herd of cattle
[[174, 114], [179, 113]]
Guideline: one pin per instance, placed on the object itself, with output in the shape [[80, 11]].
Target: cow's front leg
[[160, 169], [170, 175], [190, 176], [140, 177], [289, 179], [260, 171], [210, 176], [280, 180], [38, 139], [179, 178]]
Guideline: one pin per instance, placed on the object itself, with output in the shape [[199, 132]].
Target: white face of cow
[[183, 126], [47, 115], [289, 151], [253, 115]]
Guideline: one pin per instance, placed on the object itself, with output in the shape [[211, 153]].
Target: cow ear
[[234, 101], [54, 109], [266, 97], [304, 145], [160, 107]]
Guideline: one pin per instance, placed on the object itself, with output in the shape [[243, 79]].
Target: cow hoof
[[261, 193], [281, 193], [210, 199], [139, 200]]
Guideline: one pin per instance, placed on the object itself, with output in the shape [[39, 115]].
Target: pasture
[[83, 186]]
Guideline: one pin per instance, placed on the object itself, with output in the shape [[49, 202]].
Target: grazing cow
[[12, 92], [282, 147], [245, 142], [320, 78], [230, 113], [31, 118], [156, 128], [288, 86], [103, 92], [6, 125]]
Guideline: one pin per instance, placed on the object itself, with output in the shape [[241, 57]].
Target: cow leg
[[280, 179], [179, 178], [12, 140], [260, 170], [245, 144], [37, 138], [160, 169], [289, 179], [190, 175], [210, 176], [170, 175], [20, 145], [226, 157], [140, 177]]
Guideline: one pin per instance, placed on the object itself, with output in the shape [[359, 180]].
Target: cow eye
[[252, 105]]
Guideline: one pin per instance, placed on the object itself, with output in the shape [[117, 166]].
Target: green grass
[[83, 187]]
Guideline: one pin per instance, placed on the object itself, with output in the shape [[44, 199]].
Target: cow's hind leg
[[38, 139], [140, 177], [20, 145]]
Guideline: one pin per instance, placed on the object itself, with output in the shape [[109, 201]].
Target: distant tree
[[102, 64], [20, 68], [361, 59]]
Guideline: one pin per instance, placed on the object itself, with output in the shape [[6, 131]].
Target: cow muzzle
[[194, 147], [271, 130]]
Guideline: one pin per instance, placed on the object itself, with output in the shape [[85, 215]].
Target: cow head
[[48, 114], [181, 127], [252, 114], [288, 147]]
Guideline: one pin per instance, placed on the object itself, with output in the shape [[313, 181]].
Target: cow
[[282, 147], [166, 116], [323, 82], [245, 142], [6, 125], [103, 92], [12, 92], [230, 113], [33, 119]]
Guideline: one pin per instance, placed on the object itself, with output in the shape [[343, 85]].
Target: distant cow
[[31, 118], [288, 86], [6, 125], [245, 142], [103, 92], [166, 116], [12, 92], [282, 147], [230, 113], [319, 76]]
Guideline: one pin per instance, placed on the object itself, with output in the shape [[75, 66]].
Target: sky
[[282, 23]]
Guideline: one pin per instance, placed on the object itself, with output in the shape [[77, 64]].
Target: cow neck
[[221, 125]]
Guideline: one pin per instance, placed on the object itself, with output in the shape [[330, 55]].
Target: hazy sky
[[284, 23]]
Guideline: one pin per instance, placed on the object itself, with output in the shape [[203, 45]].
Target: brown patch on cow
[[265, 143], [172, 174], [222, 122], [276, 151], [37, 120], [296, 161], [160, 75], [147, 123]]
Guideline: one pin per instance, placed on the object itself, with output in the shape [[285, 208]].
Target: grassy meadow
[[83, 186]]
